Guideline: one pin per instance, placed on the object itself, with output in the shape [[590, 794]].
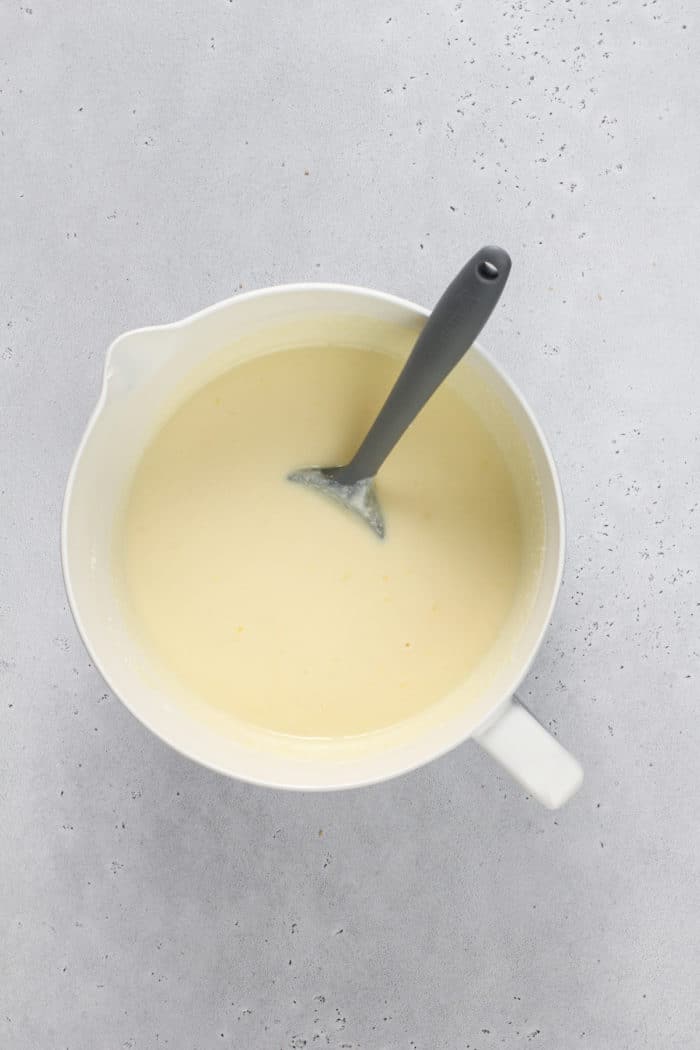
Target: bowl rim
[[392, 768]]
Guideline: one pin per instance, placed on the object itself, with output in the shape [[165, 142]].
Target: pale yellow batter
[[278, 607]]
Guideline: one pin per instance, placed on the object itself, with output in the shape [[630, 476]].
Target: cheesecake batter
[[270, 602]]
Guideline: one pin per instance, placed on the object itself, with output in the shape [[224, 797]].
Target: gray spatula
[[460, 314]]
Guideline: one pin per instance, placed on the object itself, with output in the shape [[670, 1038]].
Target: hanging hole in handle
[[487, 270]]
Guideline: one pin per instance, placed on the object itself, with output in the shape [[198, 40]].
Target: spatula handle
[[452, 327]]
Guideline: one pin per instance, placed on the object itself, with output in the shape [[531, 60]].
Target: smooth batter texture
[[276, 606]]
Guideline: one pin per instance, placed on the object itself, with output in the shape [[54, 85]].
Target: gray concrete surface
[[155, 158]]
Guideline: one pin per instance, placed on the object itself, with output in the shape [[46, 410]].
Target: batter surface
[[273, 604]]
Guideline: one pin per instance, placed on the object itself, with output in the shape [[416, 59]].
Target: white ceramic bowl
[[151, 370]]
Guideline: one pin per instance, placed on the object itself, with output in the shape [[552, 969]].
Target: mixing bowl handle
[[531, 755]]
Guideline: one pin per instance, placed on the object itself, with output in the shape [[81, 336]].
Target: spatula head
[[360, 497]]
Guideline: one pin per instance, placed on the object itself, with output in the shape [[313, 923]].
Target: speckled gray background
[[155, 157]]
